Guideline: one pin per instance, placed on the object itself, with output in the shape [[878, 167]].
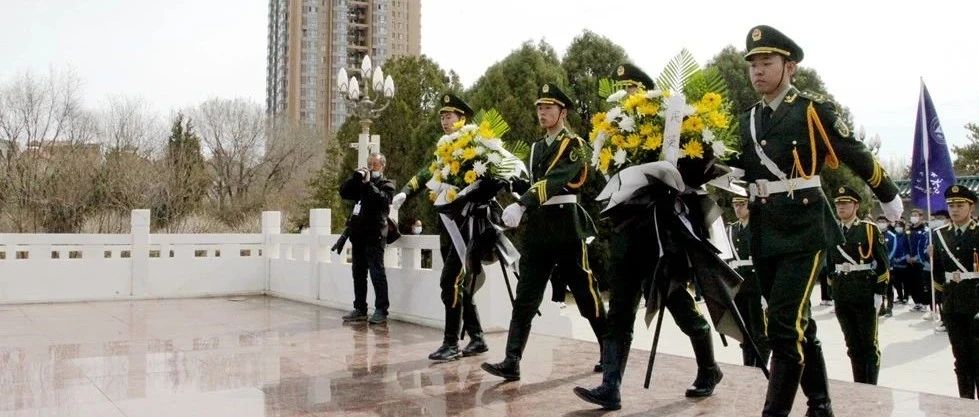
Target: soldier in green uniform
[[634, 246], [555, 232], [748, 299], [858, 270], [956, 265], [786, 139], [461, 316]]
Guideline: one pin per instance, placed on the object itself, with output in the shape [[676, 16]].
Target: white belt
[[562, 199], [739, 263], [848, 267], [961, 275], [764, 188]]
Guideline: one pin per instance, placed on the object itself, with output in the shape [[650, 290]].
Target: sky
[[177, 53]]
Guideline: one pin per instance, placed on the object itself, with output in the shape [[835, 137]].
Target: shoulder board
[[813, 96]]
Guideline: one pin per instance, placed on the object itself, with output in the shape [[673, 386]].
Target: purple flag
[[931, 165]]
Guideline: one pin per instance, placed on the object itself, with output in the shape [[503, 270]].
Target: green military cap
[[631, 75], [452, 103], [551, 94], [960, 194], [764, 39], [845, 193]]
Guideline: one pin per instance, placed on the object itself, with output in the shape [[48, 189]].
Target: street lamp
[[366, 102]]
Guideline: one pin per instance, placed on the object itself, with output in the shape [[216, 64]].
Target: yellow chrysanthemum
[[711, 101], [693, 149], [646, 129], [470, 177], [693, 124], [432, 196], [718, 119], [635, 100], [632, 141], [485, 131], [437, 176], [606, 127], [648, 109], [604, 157], [653, 142], [597, 119], [618, 140], [459, 124], [468, 153], [450, 195], [455, 167]]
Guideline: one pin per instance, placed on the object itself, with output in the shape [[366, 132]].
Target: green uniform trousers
[[853, 295]]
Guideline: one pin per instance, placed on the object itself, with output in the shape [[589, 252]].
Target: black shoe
[[509, 369], [355, 315], [603, 396], [446, 353], [476, 346], [598, 367], [703, 385], [821, 410], [378, 318]]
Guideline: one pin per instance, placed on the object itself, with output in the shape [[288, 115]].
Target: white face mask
[[882, 225], [915, 219], [899, 229], [416, 230], [375, 174], [934, 224]]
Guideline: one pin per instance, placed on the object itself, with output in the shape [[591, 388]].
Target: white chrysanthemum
[[719, 148], [444, 139], [457, 153], [707, 135], [494, 158], [494, 144], [479, 168], [654, 94], [616, 96], [613, 113], [480, 150], [619, 157], [627, 124], [446, 170], [468, 128]]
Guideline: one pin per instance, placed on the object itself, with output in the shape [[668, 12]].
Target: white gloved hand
[[512, 215], [764, 304], [893, 209], [398, 200], [878, 301]]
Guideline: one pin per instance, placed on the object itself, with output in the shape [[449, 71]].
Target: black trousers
[[963, 334], [369, 257], [461, 315], [899, 279], [854, 294], [916, 284]]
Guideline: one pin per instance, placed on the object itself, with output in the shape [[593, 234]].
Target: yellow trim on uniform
[[564, 145], [959, 200], [767, 50], [413, 183], [541, 188], [455, 286], [877, 176], [584, 176], [802, 304], [586, 266], [870, 243], [885, 277], [812, 118], [548, 100], [452, 109]]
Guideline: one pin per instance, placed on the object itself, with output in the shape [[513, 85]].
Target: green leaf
[[681, 68], [518, 148], [496, 122]]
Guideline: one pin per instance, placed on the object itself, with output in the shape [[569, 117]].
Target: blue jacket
[[918, 241], [897, 248]]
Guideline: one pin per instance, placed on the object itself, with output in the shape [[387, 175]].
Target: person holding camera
[[371, 193]]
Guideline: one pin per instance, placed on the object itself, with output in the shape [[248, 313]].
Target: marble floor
[[263, 356]]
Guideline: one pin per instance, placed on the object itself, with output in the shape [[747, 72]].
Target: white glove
[[764, 304], [878, 301], [512, 215], [398, 200], [893, 209]]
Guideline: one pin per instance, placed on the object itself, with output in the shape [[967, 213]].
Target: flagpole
[[925, 150]]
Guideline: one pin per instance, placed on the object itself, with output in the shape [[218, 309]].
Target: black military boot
[[967, 384], [708, 373], [446, 352], [475, 346], [615, 355], [859, 371], [873, 370], [782, 386], [516, 341], [815, 383], [509, 369]]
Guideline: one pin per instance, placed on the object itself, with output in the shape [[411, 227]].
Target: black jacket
[[370, 224]]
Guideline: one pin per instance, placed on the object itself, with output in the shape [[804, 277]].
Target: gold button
[[764, 142], [805, 201]]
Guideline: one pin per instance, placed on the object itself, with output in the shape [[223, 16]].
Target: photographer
[[368, 229]]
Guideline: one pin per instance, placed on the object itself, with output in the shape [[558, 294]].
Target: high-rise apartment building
[[310, 40]]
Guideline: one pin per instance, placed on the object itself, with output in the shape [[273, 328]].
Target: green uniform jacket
[[555, 170], [961, 297], [865, 245], [740, 238], [780, 223], [417, 182]]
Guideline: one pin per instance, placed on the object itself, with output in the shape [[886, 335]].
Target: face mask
[[416, 230], [882, 226], [899, 229], [375, 174], [934, 224], [915, 219]]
